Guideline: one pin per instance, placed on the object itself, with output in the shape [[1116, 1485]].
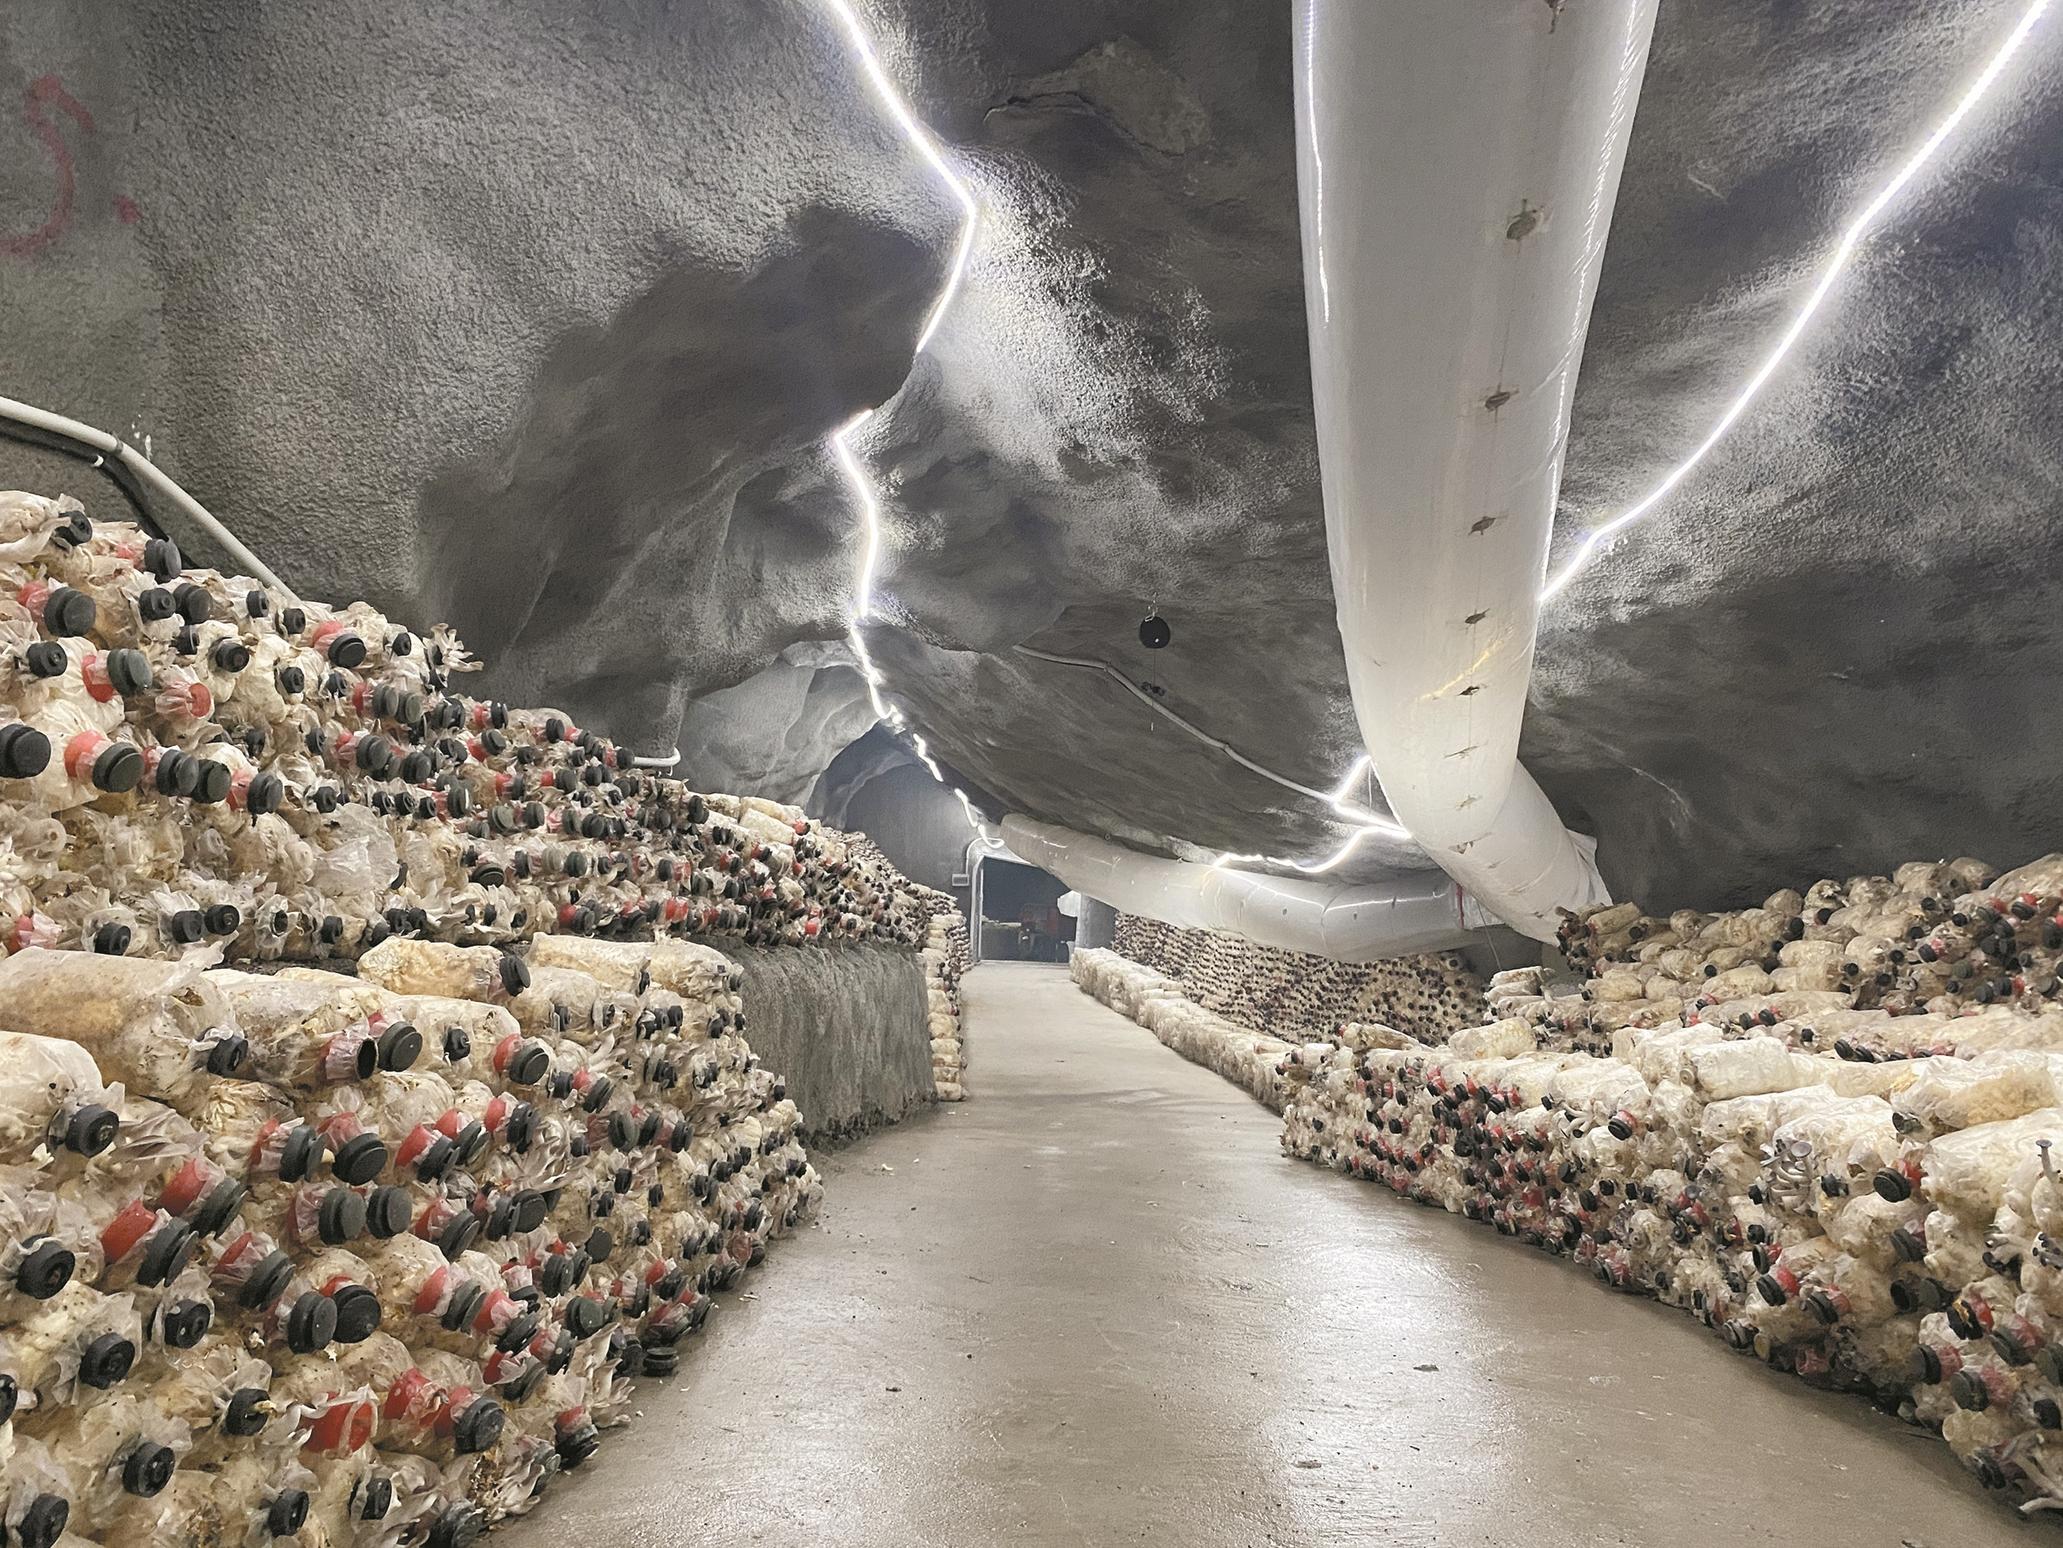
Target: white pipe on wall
[[113, 446], [1457, 168], [1426, 912]]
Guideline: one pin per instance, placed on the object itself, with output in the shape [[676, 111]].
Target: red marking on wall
[[126, 211], [45, 99]]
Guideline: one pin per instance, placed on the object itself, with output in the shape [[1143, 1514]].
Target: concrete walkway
[[1094, 1305]]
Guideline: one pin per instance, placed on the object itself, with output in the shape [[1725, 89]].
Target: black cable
[[117, 471]]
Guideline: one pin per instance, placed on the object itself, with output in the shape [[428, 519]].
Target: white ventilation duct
[[1426, 912], [1457, 167]]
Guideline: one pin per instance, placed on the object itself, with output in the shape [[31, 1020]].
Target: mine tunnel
[[832, 773]]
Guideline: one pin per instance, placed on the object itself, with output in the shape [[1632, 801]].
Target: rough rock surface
[[539, 326]]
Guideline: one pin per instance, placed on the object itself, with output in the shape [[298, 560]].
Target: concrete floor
[[1094, 1305]]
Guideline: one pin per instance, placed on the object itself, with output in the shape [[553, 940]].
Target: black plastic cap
[[147, 1469], [177, 773], [185, 1323], [161, 557], [266, 1281], [211, 781], [528, 1064], [69, 612], [112, 940], [24, 752], [577, 1445], [460, 1526], [264, 794], [555, 1275], [219, 1207], [360, 1159], [186, 926], [531, 1208], [287, 1513], [10, 1395], [227, 1054], [378, 1498], [118, 768], [106, 1360], [520, 1132], [586, 1316], [387, 1211], [45, 659], [375, 755], [45, 1269], [129, 672], [346, 650], [312, 1323], [479, 1427], [292, 620], [230, 656], [155, 605], [91, 1129], [166, 1253], [435, 1160], [399, 1047], [471, 1141], [245, 1414], [358, 1313], [519, 1332], [340, 1218], [459, 1233], [193, 602], [515, 975], [501, 1219], [43, 1521]]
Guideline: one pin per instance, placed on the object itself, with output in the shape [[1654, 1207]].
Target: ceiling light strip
[[868, 502], [1844, 252]]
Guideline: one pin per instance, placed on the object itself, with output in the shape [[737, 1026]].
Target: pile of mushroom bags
[[1246, 1058], [944, 961], [1824, 1125], [361, 1259], [1293, 995], [189, 758]]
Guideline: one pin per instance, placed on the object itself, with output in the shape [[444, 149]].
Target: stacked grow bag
[[361, 1238]]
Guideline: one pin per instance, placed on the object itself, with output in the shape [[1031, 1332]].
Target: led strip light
[[868, 501], [1844, 253], [841, 442], [1587, 552]]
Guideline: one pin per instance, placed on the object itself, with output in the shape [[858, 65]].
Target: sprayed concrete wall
[[845, 1027]]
